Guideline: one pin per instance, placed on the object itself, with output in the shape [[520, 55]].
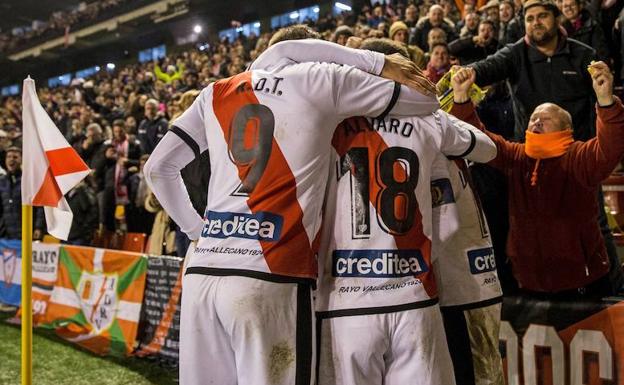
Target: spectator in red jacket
[[555, 244]]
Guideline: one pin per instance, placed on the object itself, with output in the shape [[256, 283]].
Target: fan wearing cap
[[555, 244], [400, 33], [490, 11], [545, 66]]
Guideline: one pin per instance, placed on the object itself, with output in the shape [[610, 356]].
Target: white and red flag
[[50, 167]]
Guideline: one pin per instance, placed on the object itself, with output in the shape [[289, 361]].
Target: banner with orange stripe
[[96, 301]]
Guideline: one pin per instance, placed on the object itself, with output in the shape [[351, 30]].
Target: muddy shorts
[[390, 348], [245, 331]]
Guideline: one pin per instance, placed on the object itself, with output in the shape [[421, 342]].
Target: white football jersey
[[269, 135], [376, 244], [464, 263]]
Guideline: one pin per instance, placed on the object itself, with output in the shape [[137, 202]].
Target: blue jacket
[[11, 207]]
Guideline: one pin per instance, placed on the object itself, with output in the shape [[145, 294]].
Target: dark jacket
[[590, 33], [105, 175], [150, 132], [468, 52], [84, 206], [554, 241], [90, 153], [11, 207], [515, 29], [503, 29], [536, 78], [422, 32], [105, 168]]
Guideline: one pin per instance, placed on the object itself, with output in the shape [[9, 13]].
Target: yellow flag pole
[[27, 230]]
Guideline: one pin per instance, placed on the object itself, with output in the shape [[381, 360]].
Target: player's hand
[[602, 81], [404, 71], [461, 81]]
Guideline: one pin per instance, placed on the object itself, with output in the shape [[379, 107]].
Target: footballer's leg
[[205, 353], [473, 343], [271, 330], [418, 353], [352, 349], [483, 329]]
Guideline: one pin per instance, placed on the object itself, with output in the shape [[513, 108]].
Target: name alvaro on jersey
[[261, 226], [377, 263], [388, 125]]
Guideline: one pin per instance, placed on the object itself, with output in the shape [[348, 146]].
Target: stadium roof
[[16, 13], [91, 43]]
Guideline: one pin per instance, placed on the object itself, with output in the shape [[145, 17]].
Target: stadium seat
[[134, 242], [102, 239]]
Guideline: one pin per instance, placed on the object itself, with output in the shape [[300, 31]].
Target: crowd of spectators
[[59, 23], [115, 118]]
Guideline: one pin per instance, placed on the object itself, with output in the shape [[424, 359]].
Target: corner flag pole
[[27, 229]]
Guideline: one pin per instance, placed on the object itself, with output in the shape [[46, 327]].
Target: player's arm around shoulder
[[315, 50], [358, 93]]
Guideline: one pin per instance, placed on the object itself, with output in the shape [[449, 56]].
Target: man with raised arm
[[555, 244]]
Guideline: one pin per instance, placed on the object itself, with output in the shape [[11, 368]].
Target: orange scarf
[[544, 146]]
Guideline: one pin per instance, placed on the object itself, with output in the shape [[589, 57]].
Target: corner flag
[[51, 167]]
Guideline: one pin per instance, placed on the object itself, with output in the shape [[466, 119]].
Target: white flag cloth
[[50, 167]]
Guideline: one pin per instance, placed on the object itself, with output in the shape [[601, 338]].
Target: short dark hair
[[438, 44], [511, 4], [487, 21], [294, 32], [343, 30], [119, 123], [385, 46]]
